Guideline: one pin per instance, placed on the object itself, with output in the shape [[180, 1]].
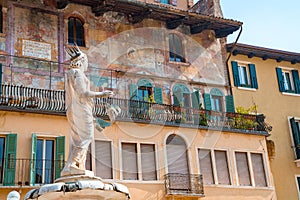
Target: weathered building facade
[[269, 78], [178, 136]]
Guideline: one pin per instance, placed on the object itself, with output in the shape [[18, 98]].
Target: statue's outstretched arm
[[83, 89]]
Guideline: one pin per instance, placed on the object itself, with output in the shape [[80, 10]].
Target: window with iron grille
[[47, 159]]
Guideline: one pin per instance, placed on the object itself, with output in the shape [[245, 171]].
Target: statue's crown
[[73, 51]]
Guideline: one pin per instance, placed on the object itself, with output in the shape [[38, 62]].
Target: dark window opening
[[75, 31], [176, 48]]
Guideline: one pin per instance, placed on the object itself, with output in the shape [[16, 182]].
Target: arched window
[[217, 98], [215, 101], [177, 155], [181, 95], [144, 89], [75, 31], [176, 48]]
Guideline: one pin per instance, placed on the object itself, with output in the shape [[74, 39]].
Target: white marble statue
[[79, 105]]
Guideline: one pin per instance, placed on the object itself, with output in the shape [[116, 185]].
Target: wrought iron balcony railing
[[29, 172], [33, 99], [184, 184], [50, 101]]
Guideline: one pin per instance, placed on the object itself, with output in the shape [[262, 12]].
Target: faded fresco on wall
[[113, 45], [35, 39], [35, 25], [144, 52], [141, 51]]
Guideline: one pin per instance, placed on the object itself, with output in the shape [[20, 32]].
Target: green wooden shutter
[[158, 95], [0, 78], [10, 160], [196, 99], [253, 76], [295, 74], [59, 155], [280, 79], [207, 101], [133, 92], [33, 159], [229, 103], [235, 72], [296, 136]]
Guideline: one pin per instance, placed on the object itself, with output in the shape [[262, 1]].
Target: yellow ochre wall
[[194, 138], [24, 124], [277, 107]]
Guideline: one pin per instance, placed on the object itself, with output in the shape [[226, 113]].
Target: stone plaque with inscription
[[34, 49]]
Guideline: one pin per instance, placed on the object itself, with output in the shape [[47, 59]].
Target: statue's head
[[78, 58]]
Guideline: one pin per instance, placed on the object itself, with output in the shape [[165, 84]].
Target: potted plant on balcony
[[245, 118], [151, 109]]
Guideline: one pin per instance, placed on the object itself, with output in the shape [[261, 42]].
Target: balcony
[[29, 172], [184, 184], [25, 99]]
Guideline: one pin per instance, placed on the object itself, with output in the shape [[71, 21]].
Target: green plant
[[243, 110], [203, 120], [150, 99], [245, 118]]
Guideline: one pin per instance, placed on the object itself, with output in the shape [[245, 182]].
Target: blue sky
[[266, 23]]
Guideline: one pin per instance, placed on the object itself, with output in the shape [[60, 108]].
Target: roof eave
[[264, 53], [136, 11]]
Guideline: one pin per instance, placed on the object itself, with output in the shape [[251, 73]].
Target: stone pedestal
[[79, 187]]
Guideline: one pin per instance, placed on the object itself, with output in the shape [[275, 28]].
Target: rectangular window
[[222, 168], [244, 75], [103, 159], [258, 170], [131, 153], [44, 168], [295, 127], [206, 167], [243, 168], [288, 80], [47, 159], [214, 171], [148, 162], [129, 161]]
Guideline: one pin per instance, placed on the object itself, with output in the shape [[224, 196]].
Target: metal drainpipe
[[230, 53]]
